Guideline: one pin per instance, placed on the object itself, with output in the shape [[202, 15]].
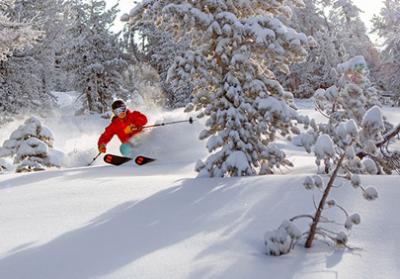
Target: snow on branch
[[15, 35]]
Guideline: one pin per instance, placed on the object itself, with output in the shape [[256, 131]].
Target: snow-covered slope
[[159, 221]]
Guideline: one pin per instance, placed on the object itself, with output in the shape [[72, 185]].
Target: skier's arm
[[139, 119], [106, 136]]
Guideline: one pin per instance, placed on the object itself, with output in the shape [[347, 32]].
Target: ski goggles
[[119, 110]]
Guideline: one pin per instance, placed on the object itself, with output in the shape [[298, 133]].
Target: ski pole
[[94, 159], [190, 120]]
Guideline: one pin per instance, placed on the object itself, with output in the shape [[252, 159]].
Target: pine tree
[[234, 46], [14, 35], [339, 34], [21, 90], [49, 17], [17, 77], [157, 48], [351, 31], [318, 71], [94, 55], [386, 25]]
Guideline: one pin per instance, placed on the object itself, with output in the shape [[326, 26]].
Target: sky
[[125, 6], [369, 8]]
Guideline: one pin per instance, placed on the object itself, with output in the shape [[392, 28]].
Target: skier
[[125, 124]]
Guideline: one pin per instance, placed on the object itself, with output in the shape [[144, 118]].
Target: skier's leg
[[130, 148], [126, 150], [135, 141]]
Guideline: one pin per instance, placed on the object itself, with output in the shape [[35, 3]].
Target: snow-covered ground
[[160, 221]]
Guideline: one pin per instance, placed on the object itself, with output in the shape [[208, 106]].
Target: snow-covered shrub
[[283, 239], [234, 48], [342, 157], [346, 145], [31, 147]]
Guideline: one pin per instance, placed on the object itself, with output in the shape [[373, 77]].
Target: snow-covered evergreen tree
[[386, 25], [17, 76], [162, 52], [157, 47], [93, 54], [14, 35], [234, 46], [49, 17], [339, 34], [351, 30], [21, 88], [31, 147], [318, 71]]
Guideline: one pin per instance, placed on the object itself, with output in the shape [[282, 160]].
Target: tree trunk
[[317, 217]]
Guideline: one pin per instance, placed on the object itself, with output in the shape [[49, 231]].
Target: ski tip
[[108, 158], [141, 160], [115, 159]]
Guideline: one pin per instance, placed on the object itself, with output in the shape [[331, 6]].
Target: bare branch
[[301, 216]]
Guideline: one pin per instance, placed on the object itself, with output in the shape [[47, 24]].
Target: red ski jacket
[[118, 126]]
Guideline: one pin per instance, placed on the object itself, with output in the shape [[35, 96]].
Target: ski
[[119, 160], [115, 159], [142, 160]]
